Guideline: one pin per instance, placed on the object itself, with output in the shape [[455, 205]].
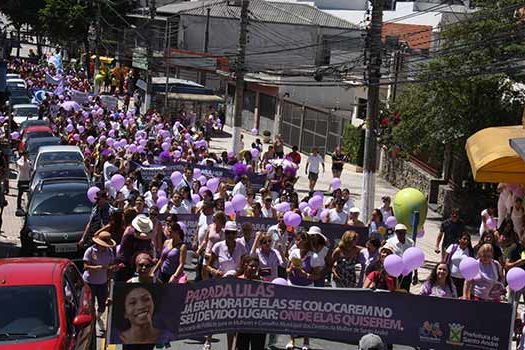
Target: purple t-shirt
[[437, 291], [226, 261], [96, 255], [295, 278]]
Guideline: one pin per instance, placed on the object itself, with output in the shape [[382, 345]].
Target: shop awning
[[103, 59], [194, 97], [491, 156]]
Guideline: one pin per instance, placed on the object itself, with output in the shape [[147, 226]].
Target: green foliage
[[353, 144], [66, 20], [470, 87], [22, 12]]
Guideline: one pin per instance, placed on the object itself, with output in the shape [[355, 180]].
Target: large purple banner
[[172, 312], [332, 231]]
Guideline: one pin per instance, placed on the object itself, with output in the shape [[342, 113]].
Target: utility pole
[[239, 78], [206, 42], [149, 53], [374, 74], [97, 48], [167, 54]]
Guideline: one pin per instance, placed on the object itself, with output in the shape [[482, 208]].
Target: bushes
[[353, 144]]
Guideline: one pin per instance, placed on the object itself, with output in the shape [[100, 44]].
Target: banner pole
[[513, 317], [110, 315]]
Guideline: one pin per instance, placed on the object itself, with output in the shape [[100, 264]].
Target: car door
[[81, 337]]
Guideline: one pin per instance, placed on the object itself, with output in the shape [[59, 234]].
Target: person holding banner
[[269, 259], [301, 273], [488, 284], [439, 284], [226, 255], [345, 258], [173, 257], [380, 279]]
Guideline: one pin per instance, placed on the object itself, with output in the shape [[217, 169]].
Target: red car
[[45, 304], [33, 131]]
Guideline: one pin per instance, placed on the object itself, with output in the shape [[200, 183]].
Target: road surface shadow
[[9, 250]]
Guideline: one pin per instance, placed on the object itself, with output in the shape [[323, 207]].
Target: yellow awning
[[491, 157], [193, 97], [103, 59]]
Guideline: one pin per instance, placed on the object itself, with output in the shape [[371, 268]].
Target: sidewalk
[[10, 232]]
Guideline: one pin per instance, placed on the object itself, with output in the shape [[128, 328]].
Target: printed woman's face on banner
[[139, 307]]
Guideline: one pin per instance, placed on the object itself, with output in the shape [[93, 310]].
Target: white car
[[12, 76], [16, 82], [58, 155], [23, 112]]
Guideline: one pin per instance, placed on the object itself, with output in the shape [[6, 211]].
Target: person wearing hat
[[100, 215], [400, 243], [137, 240], [353, 219], [267, 210], [226, 255], [371, 342], [98, 260], [320, 258], [380, 279]]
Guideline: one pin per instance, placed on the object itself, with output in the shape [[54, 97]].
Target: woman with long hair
[[439, 284], [173, 257], [380, 279], [345, 259], [455, 253]]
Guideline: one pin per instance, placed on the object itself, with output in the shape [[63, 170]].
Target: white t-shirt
[[108, 170], [239, 188], [318, 258], [24, 169], [314, 162], [348, 205], [202, 226], [338, 218], [174, 210], [456, 258], [399, 248]]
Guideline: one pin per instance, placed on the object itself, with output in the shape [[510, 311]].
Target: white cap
[[400, 227], [371, 341], [355, 210], [231, 226]]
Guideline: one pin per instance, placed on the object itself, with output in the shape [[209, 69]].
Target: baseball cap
[[355, 210], [371, 342], [230, 226]]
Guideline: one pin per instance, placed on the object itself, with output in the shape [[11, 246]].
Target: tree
[[468, 86]]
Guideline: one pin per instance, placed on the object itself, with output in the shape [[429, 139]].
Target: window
[[267, 106]]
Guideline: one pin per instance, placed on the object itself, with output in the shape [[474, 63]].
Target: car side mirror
[[82, 320]]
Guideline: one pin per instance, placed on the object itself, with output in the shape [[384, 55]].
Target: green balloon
[[406, 202], [99, 78]]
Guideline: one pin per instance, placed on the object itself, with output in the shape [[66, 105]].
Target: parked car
[[58, 155], [56, 216], [46, 172], [45, 305], [33, 145], [16, 82], [23, 112], [32, 122], [33, 132], [17, 95], [12, 76]]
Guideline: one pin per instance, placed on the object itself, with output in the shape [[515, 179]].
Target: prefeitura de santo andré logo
[[455, 334]]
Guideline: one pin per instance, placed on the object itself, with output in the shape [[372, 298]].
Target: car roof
[[36, 128], [60, 148], [62, 185], [15, 80], [30, 271], [25, 105], [60, 166]]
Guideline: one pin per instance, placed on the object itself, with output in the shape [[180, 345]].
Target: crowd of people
[[134, 234]]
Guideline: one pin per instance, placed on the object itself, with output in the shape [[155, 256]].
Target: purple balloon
[[280, 281], [391, 222], [110, 142], [293, 219], [406, 271], [165, 146], [516, 278], [413, 258], [268, 168], [90, 139], [101, 125], [177, 154], [161, 193], [15, 135], [175, 178], [117, 181], [202, 190], [197, 172], [213, 184], [239, 169], [92, 193], [202, 179], [81, 129], [162, 201], [315, 202], [70, 128], [195, 198], [111, 133], [469, 268], [231, 154], [302, 206], [140, 149], [123, 142], [228, 208], [394, 265], [282, 207], [239, 202], [76, 137], [132, 148], [102, 138], [255, 131], [335, 183], [318, 194]]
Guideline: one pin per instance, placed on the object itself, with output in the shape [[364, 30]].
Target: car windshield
[[37, 134], [26, 111], [28, 312], [33, 147], [62, 203], [50, 157]]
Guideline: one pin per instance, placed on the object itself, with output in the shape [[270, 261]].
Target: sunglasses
[[145, 265], [266, 241]]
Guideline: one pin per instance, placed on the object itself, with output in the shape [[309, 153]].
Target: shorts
[[313, 176]]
